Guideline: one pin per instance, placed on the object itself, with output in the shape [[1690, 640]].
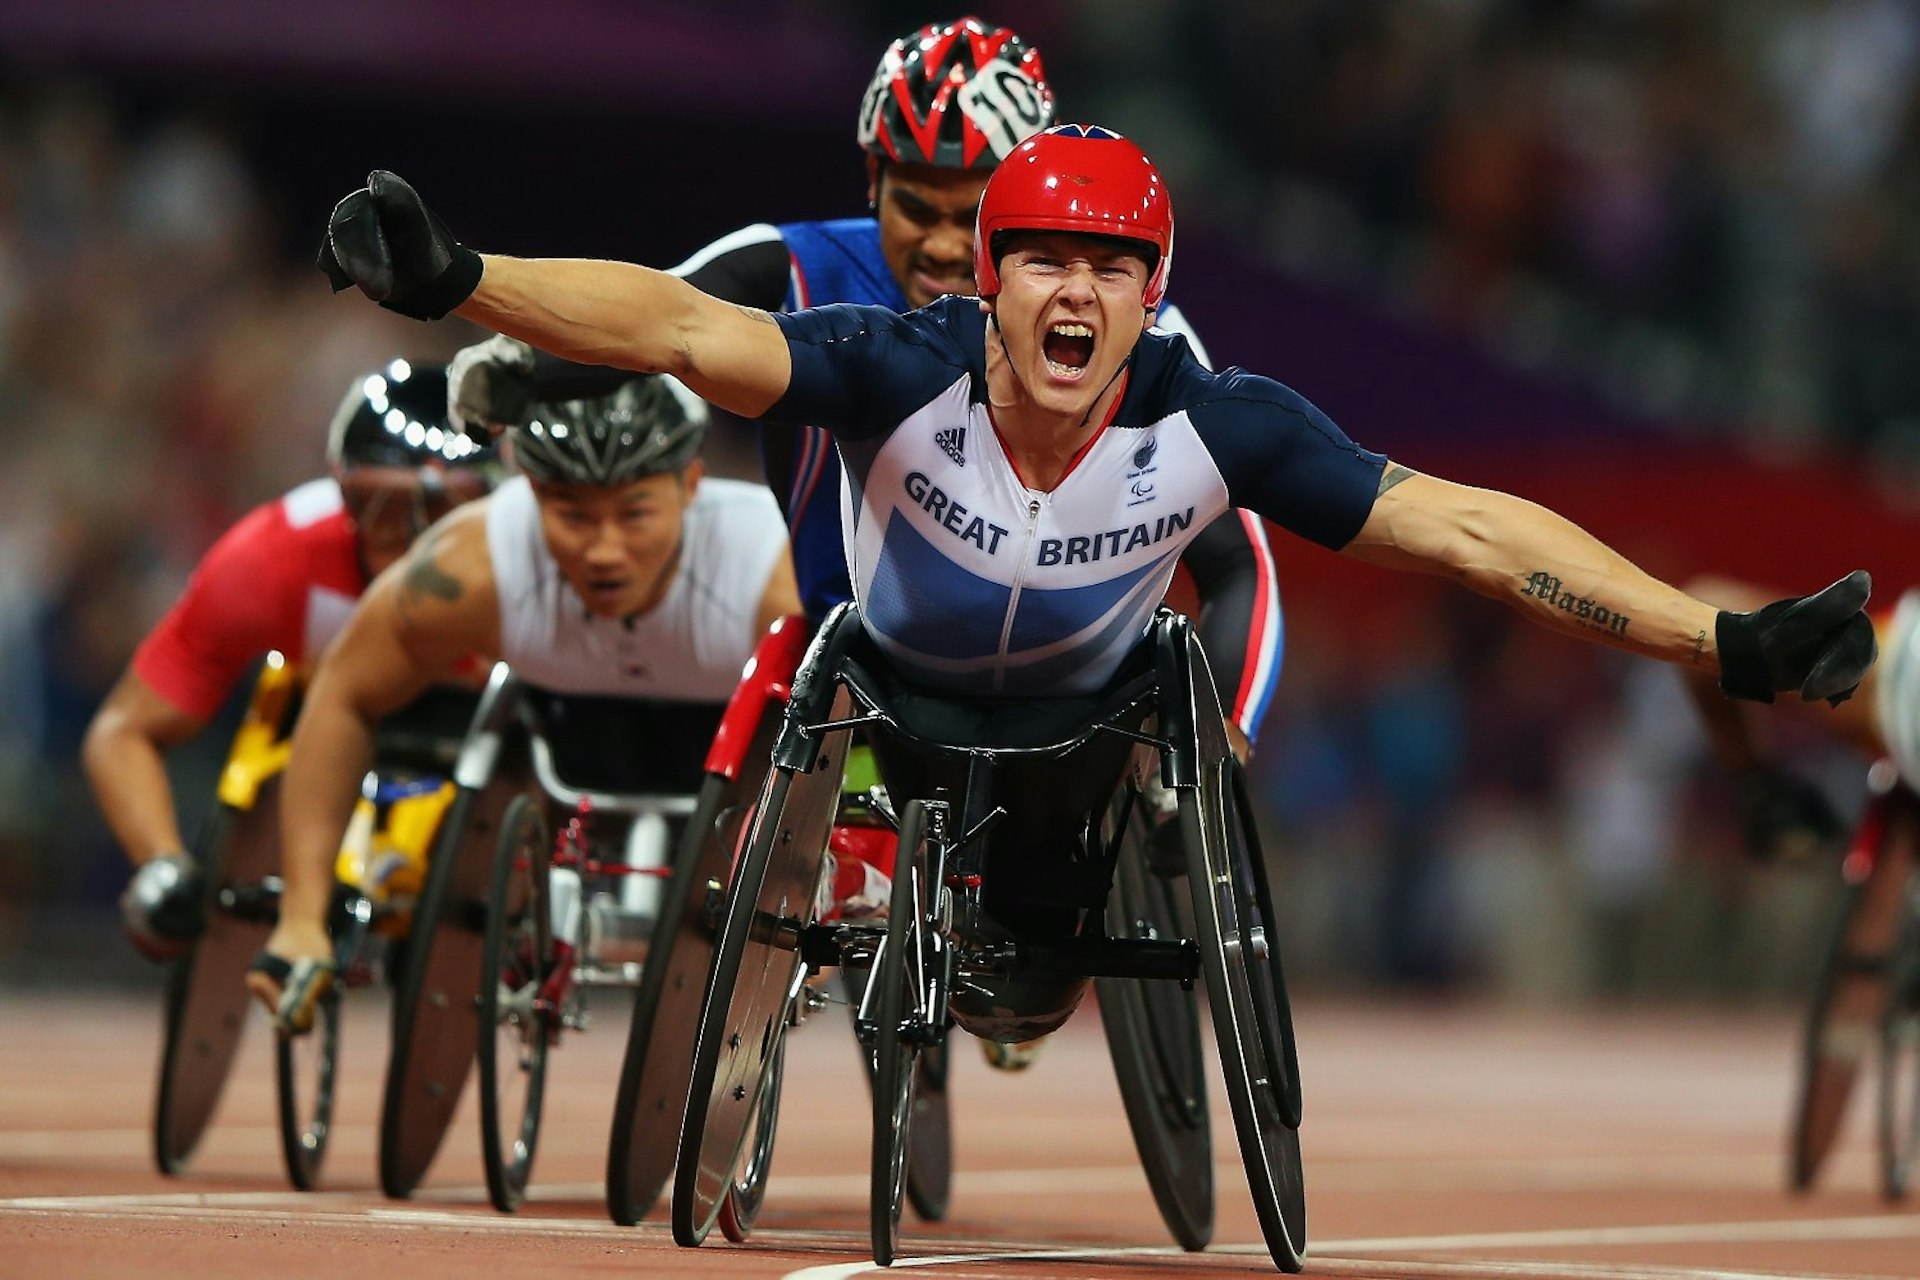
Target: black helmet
[[646, 426], [397, 417], [400, 462], [1014, 1010], [955, 95]]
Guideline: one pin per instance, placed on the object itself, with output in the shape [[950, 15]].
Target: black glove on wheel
[[1820, 644], [1783, 817], [163, 907], [384, 239]]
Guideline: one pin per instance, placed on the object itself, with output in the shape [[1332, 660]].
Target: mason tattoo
[[1392, 476], [1585, 611], [1699, 647], [755, 313]]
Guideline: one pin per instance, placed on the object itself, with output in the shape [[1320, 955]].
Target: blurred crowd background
[[1654, 262]]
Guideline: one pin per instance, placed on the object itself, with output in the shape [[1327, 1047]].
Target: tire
[[1153, 1035], [1849, 1010], [899, 997], [304, 1073], [749, 1191], [435, 1027], [515, 1027], [1246, 994], [206, 1001], [930, 1158], [756, 977], [1900, 1058], [655, 1075]]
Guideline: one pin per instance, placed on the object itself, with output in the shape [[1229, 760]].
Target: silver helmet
[[648, 426]]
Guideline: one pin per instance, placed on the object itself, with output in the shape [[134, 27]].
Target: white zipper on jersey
[[1013, 601]]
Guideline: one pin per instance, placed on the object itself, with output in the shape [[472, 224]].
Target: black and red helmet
[[1079, 178], [955, 95]]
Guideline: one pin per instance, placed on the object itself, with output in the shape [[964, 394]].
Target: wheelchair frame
[[937, 935]]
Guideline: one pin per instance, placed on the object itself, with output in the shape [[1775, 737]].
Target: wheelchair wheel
[[1246, 993], [1900, 1060], [304, 1068], [1153, 1034], [757, 974], [655, 1074], [1850, 1004], [902, 987], [434, 1024], [206, 1001], [741, 1208], [515, 1024], [930, 1158]]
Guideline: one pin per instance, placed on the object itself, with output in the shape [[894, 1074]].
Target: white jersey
[[1897, 694], [688, 648]]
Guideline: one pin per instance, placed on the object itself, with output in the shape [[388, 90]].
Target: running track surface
[[1440, 1142]]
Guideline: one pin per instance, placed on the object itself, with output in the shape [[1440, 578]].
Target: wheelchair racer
[[1023, 468], [608, 568], [945, 105], [283, 578]]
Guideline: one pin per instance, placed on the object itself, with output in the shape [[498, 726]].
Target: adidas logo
[[953, 442]]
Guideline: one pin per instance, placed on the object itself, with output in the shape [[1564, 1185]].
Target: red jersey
[[285, 577]]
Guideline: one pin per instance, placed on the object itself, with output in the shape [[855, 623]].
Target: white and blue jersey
[[971, 581]]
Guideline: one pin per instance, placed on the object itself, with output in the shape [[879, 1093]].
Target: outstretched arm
[[1540, 563], [1561, 576], [633, 317], [384, 240]]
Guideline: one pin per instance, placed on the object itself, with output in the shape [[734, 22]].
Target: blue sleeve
[[1283, 458], [860, 371]]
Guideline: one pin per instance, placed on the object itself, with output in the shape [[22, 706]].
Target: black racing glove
[[1783, 817], [1820, 644], [384, 239], [163, 907]]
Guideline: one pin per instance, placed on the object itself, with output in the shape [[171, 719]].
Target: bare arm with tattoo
[[417, 621], [1542, 564]]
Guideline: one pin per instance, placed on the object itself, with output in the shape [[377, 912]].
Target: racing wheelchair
[[378, 873], [657, 1069], [1026, 871], [556, 850], [1868, 994]]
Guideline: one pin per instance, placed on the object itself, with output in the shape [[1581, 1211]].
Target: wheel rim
[[655, 1076], [756, 977], [1153, 1035], [304, 1068], [206, 1003], [900, 1017], [1246, 995], [1900, 1066], [515, 1025]]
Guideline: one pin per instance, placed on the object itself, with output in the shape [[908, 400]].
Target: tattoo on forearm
[[755, 313], [1392, 476], [1699, 647], [424, 579], [1584, 610]]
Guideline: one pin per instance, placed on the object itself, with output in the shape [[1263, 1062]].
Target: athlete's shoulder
[[1169, 378]]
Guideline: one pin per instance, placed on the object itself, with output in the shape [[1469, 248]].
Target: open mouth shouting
[[1068, 348]]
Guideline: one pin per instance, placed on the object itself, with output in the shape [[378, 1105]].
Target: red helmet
[[991, 74], [1080, 178]]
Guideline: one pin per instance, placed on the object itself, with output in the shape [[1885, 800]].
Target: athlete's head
[[400, 463], [614, 477], [946, 104], [1072, 253]]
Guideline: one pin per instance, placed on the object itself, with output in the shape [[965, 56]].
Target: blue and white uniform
[[971, 581]]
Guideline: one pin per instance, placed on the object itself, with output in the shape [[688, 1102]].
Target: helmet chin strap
[[1013, 370]]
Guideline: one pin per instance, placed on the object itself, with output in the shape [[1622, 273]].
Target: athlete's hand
[[1820, 644], [292, 974], [163, 907], [1784, 817], [489, 385], [384, 239]]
